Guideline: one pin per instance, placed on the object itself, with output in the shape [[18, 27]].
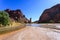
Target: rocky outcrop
[[51, 15], [17, 15]]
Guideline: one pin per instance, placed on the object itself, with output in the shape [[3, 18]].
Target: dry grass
[[12, 27]]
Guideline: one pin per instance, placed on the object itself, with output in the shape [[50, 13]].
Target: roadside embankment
[[10, 28]]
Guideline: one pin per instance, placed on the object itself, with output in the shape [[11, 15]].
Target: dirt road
[[30, 33]]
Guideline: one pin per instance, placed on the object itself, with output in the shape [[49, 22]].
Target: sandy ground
[[32, 33]]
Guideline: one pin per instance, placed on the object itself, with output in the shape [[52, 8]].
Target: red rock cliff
[[51, 15], [17, 15]]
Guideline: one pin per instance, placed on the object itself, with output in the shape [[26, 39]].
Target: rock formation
[[50, 15], [17, 15]]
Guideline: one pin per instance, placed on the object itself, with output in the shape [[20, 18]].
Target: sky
[[30, 8]]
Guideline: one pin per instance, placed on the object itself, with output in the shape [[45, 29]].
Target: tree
[[51, 21], [59, 21], [23, 15], [4, 18]]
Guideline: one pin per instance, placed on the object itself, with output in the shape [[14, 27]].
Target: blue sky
[[30, 8]]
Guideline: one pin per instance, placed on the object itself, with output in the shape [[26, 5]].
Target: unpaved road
[[32, 33]]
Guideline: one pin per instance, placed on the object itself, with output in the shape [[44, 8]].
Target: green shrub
[[51, 21], [4, 18]]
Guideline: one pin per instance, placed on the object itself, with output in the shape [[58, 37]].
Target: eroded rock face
[[51, 15], [17, 15]]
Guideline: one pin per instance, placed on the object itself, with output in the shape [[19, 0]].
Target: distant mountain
[[51, 15], [17, 15], [35, 21]]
